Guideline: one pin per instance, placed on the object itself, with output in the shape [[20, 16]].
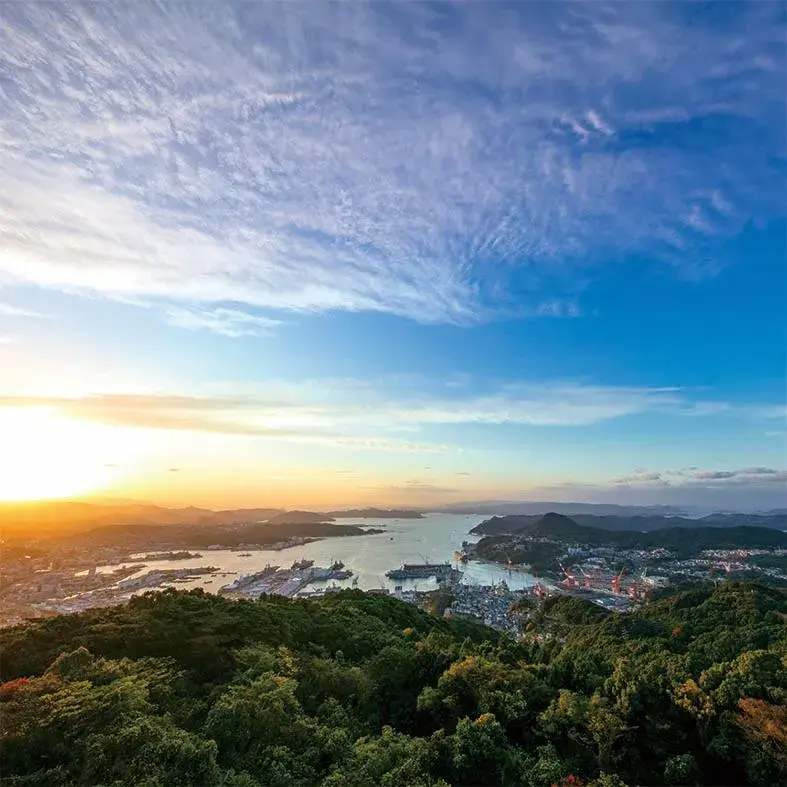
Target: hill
[[684, 541], [520, 523], [298, 518], [362, 690]]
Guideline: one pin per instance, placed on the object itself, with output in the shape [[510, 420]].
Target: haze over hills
[[48, 519], [70, 516], [541, 507], [62, 517]]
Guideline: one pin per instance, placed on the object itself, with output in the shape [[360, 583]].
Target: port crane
[[569, 577], [587, 578], [616, 580], [539, 591]]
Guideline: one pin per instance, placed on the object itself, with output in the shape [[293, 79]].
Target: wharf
[[281, 582]]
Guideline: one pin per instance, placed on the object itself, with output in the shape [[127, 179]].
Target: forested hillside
[[354, 690], [685, 542]]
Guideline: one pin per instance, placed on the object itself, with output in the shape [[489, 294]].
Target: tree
[[480, 751], [681, 769]]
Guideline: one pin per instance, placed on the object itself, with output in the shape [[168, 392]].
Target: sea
[[432, 539]]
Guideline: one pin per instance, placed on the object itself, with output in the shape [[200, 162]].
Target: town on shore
[[615, 562]]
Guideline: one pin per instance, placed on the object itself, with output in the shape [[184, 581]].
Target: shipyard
[[273, 580]]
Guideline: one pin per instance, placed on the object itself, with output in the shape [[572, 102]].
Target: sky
[[310, 254]]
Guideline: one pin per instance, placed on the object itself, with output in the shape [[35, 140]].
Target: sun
[[45, 456]]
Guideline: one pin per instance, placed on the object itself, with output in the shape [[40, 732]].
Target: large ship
[[441, 571], [299, 565]]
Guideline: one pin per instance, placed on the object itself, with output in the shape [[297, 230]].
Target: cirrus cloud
[[403, 158]]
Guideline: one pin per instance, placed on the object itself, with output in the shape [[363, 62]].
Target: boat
[[299, 565], [421, 571], [337, 565], [341, 574], [245, 554]]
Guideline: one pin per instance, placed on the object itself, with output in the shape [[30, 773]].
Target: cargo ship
[[441, 571]]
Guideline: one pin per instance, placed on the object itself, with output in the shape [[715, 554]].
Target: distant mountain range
[[541, 507], [48, 519], [518, 523], [67, 517], [63, 517]]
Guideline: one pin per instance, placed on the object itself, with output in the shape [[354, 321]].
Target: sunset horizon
[[325, 260]]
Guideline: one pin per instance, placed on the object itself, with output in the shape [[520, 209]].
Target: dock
[[273, 580]]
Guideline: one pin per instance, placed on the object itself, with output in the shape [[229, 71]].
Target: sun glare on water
[[45, 456]]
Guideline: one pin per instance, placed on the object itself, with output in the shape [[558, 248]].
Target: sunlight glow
[[44, 456]]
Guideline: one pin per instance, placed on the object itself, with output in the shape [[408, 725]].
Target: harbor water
[[433, 539]]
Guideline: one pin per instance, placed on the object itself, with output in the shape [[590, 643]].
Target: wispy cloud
[[692, 477], [373, 415], [639, 478], [242, 417], [225, 322], [9, 310], [352, 157]]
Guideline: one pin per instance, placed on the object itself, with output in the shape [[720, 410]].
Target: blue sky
[[398, 253]]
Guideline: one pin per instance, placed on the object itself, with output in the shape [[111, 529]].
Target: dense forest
[[355, 689]]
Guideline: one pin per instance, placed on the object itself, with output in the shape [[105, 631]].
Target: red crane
[[616, 580], [539, 590], [569, 577]]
